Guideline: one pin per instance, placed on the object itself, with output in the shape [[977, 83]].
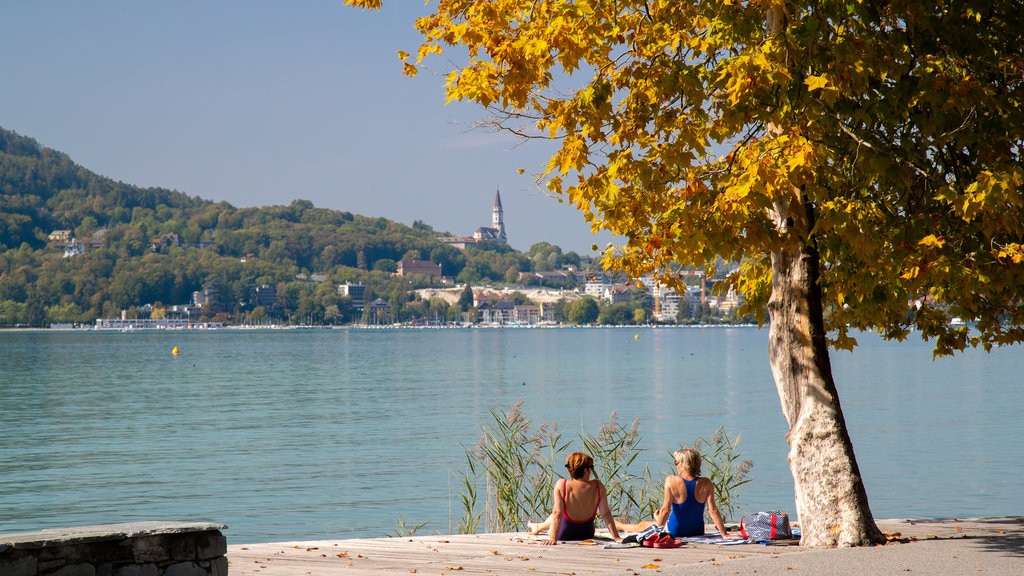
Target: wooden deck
[[517, 553]]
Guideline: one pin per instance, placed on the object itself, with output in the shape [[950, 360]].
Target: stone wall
[[131, 549]]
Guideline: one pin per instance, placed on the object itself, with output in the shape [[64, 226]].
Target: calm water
[[288, 435]]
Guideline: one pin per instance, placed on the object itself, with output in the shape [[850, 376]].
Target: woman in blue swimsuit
[[686, 496], [577, 502]]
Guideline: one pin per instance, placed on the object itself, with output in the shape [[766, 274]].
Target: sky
[[261, 102]]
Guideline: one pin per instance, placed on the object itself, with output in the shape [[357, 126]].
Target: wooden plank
[[517, 553]]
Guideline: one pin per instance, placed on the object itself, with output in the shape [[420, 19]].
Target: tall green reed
[[518, 466], [615, 450], [724, 465]]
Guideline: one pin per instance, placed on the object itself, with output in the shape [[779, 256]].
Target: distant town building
[[380, 312], [206, 299], [158, 243], [425, 268], [496, 233], [60, 236], [266, 295], [620, 293], [527, 314], [74, 248], [496, 312], [598, 288], [98, 238], [668, 306], [355, 291]]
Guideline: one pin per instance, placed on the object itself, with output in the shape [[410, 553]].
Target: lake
[[301, 434]]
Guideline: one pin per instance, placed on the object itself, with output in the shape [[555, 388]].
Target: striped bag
[[765, 526]]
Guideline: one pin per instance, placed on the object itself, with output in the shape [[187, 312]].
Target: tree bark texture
[[831, 500]]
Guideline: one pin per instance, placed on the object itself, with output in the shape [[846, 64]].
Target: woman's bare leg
[[538, 527], [638, 527]]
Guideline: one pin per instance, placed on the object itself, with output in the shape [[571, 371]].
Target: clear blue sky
[[260, 102]]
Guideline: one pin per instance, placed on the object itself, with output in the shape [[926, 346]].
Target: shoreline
[[311, 328]]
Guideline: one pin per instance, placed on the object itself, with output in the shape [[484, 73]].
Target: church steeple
[[498, 218]]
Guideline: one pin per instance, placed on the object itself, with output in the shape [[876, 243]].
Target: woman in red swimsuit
[[577, 502]]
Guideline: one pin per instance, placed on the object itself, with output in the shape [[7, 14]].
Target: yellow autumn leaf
[[816, 83], [651, 566], [1015, 252], [932, 241], [365, 4], [911, 273]]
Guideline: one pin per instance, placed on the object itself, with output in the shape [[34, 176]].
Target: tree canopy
[[900, 124]]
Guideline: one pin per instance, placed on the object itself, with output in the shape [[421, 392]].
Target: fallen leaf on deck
[[453, 567], [651, 566]]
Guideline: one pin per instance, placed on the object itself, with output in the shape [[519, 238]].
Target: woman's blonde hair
[[689, 459], [577, 463]]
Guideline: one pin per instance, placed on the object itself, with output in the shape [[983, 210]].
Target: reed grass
[[404, 529], [514, 467], [615, 450], [724, 465]]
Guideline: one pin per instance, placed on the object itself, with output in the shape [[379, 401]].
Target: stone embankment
[[131, 549]]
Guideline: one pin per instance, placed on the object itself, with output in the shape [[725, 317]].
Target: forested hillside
[[75, 246]]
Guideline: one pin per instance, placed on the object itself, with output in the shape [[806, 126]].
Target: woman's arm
[[661, 516], [606, 512], [716, 516]]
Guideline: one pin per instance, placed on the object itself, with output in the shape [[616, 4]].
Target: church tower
[[498, 219]]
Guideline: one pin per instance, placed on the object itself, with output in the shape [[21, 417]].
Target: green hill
[[76, 246]]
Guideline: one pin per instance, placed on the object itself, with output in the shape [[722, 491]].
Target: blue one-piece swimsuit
[[687, 519]]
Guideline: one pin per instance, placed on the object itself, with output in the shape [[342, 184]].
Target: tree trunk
[[831, 501]]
